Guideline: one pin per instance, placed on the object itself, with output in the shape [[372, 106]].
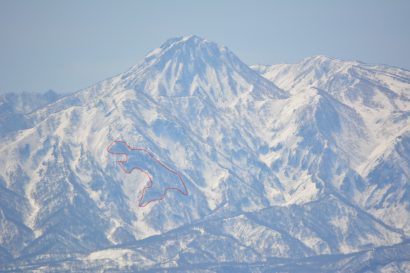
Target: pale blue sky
[[68, 45]]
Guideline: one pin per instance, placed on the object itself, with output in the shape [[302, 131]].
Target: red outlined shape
[[150, 183]]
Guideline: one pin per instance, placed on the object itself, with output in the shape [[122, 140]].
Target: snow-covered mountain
[[379, 96], [287, 167], [15, 106]]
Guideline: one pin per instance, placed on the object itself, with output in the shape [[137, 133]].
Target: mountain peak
[[191, 65], [322, 61], [189, 39], [185, 48]]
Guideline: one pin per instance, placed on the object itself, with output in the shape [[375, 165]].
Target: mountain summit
[[308, 176], [193, 66]]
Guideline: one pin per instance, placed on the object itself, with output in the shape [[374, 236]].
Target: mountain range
[[289, 167]]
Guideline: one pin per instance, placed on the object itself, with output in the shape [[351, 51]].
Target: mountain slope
[[380, 96]]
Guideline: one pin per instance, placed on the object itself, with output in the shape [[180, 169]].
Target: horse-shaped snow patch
[[160, 177]]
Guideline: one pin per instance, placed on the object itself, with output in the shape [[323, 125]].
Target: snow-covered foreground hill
[[301, 167]]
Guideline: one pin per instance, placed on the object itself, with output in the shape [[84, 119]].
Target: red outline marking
[[150, 182]]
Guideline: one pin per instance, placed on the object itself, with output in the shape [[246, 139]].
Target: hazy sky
[[68, 45]]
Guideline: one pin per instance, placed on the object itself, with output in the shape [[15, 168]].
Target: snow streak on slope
[[284, 172]]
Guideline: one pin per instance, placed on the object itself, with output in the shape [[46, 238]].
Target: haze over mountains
[[292, 167]]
